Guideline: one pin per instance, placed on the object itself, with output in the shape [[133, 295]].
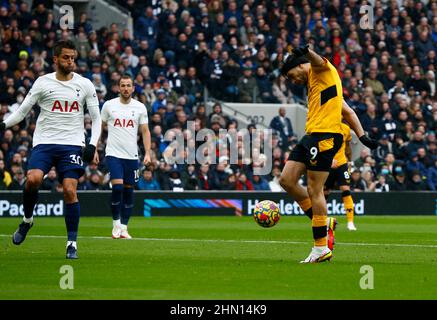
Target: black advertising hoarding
[[165, 203]]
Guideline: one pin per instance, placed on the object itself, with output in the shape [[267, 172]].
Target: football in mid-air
[[266, 213]]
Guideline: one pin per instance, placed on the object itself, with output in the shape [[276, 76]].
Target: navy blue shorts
[[67, 160], [125, 169]]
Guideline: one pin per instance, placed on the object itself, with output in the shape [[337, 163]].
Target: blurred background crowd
[[231, 51]]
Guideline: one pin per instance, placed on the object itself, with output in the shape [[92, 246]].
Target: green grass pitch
[[221, 258]]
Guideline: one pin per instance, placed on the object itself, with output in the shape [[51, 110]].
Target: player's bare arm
[[145, 132], [352, 119]]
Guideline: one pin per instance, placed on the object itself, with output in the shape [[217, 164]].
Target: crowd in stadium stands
[[233, 49]]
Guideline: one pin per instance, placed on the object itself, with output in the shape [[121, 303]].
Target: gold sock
[[319, 223], [306, 206], [349, 207]]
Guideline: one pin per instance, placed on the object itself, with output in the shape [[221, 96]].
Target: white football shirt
[[61, 120], [123, 122]]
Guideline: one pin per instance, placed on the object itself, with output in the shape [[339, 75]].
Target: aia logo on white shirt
[[123, 123], [67, 107]]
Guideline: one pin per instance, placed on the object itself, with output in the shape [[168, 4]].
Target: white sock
[[28, 220], [320, 249], [72, 243], [116, 223], [123, 227]]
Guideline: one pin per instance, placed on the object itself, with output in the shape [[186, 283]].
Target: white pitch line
[[241, 241]]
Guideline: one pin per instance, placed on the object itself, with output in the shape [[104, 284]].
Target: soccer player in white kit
[[59, 137], [124, 116]]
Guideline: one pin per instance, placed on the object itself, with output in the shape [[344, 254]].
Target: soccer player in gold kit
[[340, 175], [315, 151]]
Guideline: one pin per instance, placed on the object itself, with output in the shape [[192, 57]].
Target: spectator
[[374, 83], [368, 177], [243, 183], [229, 183], [220, 175], [231, 73], [147, 181], [146, 27], [431, 79], [414, 165], [357, 182], [399, 183], [205, 178], [282, 92], [259, 183], [432, 177], [212, 72], [192, 87], [274, 183], [161, 101], [218, 116], [423, 157], [247, 87], [389, 126], [5, 176], [370, 121], [265, 86], [94, 181], [385, 147], [416, 183], [18, 180], [282, 125], [175, 182], [417, 141], [189, 178], [50, 181], [382, 185]]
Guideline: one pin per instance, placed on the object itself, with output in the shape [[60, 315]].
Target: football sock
[[319, 223], [72, 243], [306, 206], [30, 198], [72, 220], [116, 223], [28, 220], [117, 193], [128, 194], [348, 205]]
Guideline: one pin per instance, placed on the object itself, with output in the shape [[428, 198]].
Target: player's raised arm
[[89, 153], [313, 57], [18, 115], [351, 118]]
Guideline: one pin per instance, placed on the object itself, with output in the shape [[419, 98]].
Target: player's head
[[64, 53], [126, 85], [295, 69]]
